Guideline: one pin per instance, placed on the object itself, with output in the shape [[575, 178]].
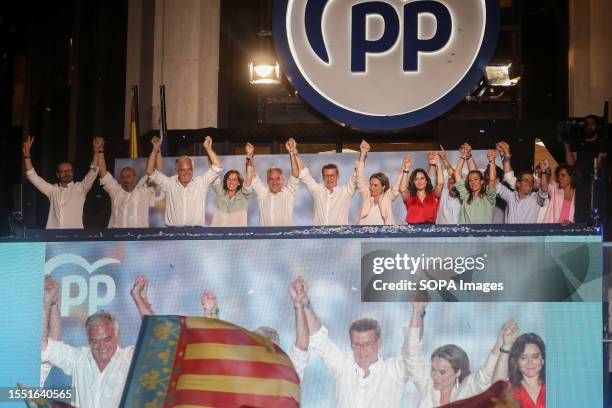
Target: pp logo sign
[[384, 65], [84, 285]]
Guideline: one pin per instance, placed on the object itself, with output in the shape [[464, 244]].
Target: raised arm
[[449, 167], [250, 165], [364, 148], [403, 188], [459, 166], [38, 182], [435, 161], [413, 349], [416, 318], [510, 332], [210, 305], [139, 294], [291, 146], [468, 157], [545, 166], [312, 320], [212, 156], [101, 163], [333, 358], [431, 168], [297, 292], [491, 154], [98, 150], [159, 162], [27, 146], [155, 150], [504, 150], [51, 322], [570, 156]]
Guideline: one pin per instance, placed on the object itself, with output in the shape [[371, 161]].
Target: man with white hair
[[98, 371], [185, 194], [276, 199]]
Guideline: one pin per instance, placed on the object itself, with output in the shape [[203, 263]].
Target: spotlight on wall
[[501, 75], [264, 68], [264, 71]]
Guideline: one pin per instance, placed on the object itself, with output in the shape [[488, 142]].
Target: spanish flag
[[134, 124], [189, 362]]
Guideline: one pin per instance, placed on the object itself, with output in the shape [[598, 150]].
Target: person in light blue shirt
[[522, 205]]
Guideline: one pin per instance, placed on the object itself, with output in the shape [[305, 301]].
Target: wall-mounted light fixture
[[263, 67], [501, 75]]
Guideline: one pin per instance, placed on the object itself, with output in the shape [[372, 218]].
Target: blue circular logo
[[384, 65]]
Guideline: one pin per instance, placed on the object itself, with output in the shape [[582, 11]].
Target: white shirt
[[92, 388], [448, 211], [65, 203], [374, 217], [383, 387], [299, 358], [330, 208], [474, 384], [186, 206], [275, 209], [129, 210]]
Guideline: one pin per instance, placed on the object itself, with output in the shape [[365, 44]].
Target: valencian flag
[[494, 397], [200, 362], [134, 128]]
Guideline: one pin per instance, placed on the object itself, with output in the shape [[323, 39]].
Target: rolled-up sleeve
[[38, 182], [160, 179], [299, 358], [89, 179], [61, 355], [307, 179], [109, 184], [331, 355], [481, 380], [412, 352], [211, 174]]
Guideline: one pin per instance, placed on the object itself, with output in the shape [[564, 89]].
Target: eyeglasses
[[364, 346]]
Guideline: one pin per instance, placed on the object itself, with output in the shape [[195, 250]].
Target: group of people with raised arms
[[363, 378], [428, 195]]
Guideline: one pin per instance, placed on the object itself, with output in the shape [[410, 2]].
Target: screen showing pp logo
[[384, 65]]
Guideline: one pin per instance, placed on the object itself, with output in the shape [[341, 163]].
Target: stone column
[[590, 56], [174, 42]]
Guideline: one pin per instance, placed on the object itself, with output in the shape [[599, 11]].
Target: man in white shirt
[[130, 199], [98, 371], [275, 200], [363, 378], [185, 194], [331, 203], [66, 198]]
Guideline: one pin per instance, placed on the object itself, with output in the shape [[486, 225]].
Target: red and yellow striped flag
[[185, 362]]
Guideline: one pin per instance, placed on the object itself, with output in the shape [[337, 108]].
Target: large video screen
[[250, 279]]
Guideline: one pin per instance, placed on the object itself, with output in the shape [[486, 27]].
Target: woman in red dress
[[522, 365], [420, 197]]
